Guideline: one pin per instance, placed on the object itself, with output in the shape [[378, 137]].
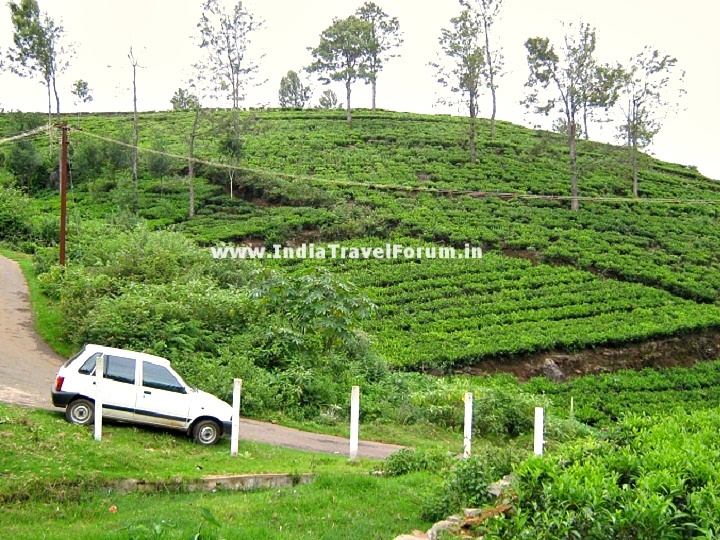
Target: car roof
[[93, 348]]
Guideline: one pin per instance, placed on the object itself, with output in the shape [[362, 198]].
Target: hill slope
[[614, 272]]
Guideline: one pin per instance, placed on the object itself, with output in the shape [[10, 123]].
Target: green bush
[[16, 215], [466, 483], [409, 460], [506, 412]]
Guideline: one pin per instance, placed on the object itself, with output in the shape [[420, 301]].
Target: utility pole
[[63, 189]]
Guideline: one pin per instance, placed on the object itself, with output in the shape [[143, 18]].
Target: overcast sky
[[162, 34]]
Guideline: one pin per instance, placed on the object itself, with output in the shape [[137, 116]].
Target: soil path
[[28, 367]]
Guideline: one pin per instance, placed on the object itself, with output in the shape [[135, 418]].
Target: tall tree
[[136, 138], [186, 100], [462, 72], [489, 11], [573, 81], [342, 54], [38, 47], [293, 93], [644, 101], [385, 35], [226, 38]]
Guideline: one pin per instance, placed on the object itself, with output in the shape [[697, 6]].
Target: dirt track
[[28, 367]]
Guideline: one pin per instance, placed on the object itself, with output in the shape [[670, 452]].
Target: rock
[[551, 370], [444, 525], [497, 489]]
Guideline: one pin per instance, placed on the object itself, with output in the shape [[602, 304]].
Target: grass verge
[[54, 475]]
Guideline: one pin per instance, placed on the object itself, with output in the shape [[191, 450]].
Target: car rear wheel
[[206, 432], [80, 411]]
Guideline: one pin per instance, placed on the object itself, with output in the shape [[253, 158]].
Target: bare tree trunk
[[57, 99], [47, 84], [473, 130], [491, 71], [191, 175], [347, 108], [574, 203], [374, 91], [135, 138], [585, 128], [635, 170], [191, 162]]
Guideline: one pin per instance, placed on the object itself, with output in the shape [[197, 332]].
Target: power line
[[25, 134], [410, 189]]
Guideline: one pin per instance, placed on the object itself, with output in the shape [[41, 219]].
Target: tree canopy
[[342, 54]]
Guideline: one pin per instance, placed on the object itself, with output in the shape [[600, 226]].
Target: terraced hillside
[[618, 270]]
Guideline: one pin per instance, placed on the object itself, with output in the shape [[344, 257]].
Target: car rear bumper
[[61, 399]]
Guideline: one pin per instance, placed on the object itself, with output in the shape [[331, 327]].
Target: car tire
[[206, 432], [80, 411]]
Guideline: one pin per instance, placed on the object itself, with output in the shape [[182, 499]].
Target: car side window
[[159, 377], [120, 369], [88, 367]]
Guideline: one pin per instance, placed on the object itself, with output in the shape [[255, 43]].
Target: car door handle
[[147, 392]]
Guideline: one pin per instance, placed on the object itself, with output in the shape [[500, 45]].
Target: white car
[[138, 388]]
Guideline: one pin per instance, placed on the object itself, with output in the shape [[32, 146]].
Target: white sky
[[162, 35]]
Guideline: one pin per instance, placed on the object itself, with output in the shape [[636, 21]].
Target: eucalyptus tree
[[489, 12], [136, 132], [343, 54], [651, 88], [293, 93], [462, 68], [385, 36], [573, 81], [227, 70], [38, 47], [226, 38]]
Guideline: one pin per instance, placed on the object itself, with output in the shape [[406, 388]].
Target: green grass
[[40, 451], [349, 506], [47, 316], [54, 476]]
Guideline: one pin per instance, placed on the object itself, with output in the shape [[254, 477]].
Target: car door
[[162, 399], [119, 391]]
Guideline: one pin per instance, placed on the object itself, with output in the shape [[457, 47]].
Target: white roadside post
[[99, 369], [235, 432], [539, 420], [467, 439], [354, 421]]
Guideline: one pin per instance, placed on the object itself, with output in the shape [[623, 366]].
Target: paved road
[[28, 367]]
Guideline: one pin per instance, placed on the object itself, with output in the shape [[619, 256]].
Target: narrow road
[[27, 364], [28, 367]]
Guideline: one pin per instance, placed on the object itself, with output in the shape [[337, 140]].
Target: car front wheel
[[206, 432], [80, 411]]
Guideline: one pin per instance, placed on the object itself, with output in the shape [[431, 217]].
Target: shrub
[[466, 483], [16, 215], [409, 460], [505, 411]]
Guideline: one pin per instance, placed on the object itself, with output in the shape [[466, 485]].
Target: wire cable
[[25, 134], [409, 189]]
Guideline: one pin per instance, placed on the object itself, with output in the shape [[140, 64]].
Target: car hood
[[207, 399]]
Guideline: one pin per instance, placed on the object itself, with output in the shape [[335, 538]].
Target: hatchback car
[[138, 388]]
